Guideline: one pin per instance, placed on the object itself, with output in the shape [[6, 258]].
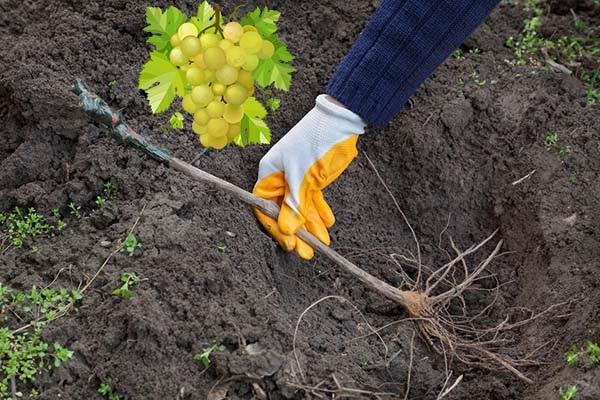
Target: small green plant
[[475, 50], [551, 140], [569, 393], [131, 244], [274, 103], [458, 54], [23, 353], [128, 281], [572, 356], [74, 209], [593, 352], [110, 190], [221, 248], [475, 77], [204, 356], [100, 201], [564, 151], [176, 120], [105, 389]]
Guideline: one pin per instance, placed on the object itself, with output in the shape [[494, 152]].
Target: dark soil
[[450, 159]]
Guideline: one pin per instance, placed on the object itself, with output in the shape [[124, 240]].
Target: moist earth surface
[[452, 158]]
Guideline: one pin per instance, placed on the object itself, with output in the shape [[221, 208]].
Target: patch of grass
[[574, 52], [23, 353], [22, 224], [569, 393], [572, 356], [593, 352], [105, 390], [204, 355], [128, 281], [131, 244]]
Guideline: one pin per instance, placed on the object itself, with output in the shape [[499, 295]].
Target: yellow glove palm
[[297, 169]]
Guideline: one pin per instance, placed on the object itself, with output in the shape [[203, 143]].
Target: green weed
[[572, 356], [23, 224], [131, 244], [23, 353], [204, 356], [128, 281], [106, 390], [74, 209], [569, 393], [551, 139], [593, 352]]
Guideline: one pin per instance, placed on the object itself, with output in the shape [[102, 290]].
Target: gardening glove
[[305, 161]]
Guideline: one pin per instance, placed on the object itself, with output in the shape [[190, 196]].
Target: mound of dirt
[[453, 159]]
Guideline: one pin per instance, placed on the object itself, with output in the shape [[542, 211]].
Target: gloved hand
[[305, 161]]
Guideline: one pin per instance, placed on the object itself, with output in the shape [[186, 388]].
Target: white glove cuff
[[346, 120]]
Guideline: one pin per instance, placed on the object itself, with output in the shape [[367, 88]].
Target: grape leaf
[[274, 72], [162, 26], [176, 120], [205, 15], [254, 129], [161, 81], [264, 20]]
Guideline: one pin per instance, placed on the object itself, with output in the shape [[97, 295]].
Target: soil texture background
[[211, 274]]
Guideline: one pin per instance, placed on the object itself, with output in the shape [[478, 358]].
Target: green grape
[[236, 94], [209, 75], [246, 79], [188, 104], [233, 31], [177, 57], [235, 56], [225, 44], [251, 62], [199, 61], [214, 57], [209, 40], [227, 74], [175, 41], [202, 95], [199, 129], [233, 114], [215, 109], [194, 76], [234, 131], [205, 140], [187, 29], [191, 46], [213, 141], [201, 116], [217, 127], [267, 50], [249, 28], [251, 42], [218, 89]]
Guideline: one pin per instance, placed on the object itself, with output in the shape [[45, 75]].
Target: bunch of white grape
[[219, 70]]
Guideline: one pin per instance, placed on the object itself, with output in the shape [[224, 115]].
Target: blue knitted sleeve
[[402, 44]]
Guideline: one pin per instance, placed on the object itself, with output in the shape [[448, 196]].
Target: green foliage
[[572, 356], [569, 393], [74, 209], [162, 81], [23, 224], [204, 355], [204, 17], [110, 190], [551, 139], [274, 103], [576, 51], [593, 352], [105, 389], [128, 281], [131, 244], [254, 128], [162, 26], [100, 201], [23, 353], [176, 120]]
